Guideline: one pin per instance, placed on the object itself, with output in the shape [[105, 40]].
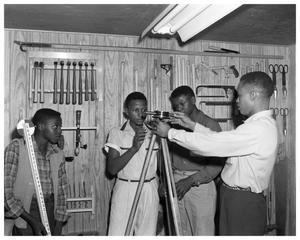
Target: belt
[[248, 189], [129, 180]]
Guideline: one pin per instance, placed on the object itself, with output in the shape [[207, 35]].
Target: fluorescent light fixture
[[188, 19]]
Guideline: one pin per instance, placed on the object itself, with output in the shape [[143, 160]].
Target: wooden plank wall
[[119, 73]]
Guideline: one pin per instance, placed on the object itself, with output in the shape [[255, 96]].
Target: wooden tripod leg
[[136, 199], [171, 187]]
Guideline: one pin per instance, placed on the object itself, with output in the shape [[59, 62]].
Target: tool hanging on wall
[[25, 130], [86, 82], [275, 112], [42, 82], [68, 83], [80, 83], [78, 144], [228, 89], [284, 113], [35, 81], [93, 96], [55, 83], [61, 90], [74, 84], [274, 70], [283, 69]]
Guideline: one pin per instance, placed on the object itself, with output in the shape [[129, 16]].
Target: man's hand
[[183, 120], [138, 139], [38, 228], [161, 128], [57, 228], [183, 186]]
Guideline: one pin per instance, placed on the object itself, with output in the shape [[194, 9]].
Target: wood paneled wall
[[119, 73]]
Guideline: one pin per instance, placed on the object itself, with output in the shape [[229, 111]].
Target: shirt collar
[[265, 113], [129, 129]]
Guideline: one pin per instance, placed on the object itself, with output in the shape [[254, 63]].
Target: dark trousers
[[241, 212], [34, 211]]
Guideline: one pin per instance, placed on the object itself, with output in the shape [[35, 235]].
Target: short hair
[[182, 90], [134, 96], [44, 114], [260, 80]]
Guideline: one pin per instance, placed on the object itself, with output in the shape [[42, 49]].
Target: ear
[[193, 100], [40, 127], [125, 112], [253, 95]]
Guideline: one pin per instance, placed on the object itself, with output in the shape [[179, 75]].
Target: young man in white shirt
[[251, 149], [127, 147]]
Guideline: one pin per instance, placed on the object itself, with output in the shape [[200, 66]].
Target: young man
[[127, 147], [194, 175], [21, 206], [251, 149]]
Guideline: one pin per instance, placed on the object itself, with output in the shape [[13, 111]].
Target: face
[[136, 112], [51, 129], [184, 104], [245, 102]]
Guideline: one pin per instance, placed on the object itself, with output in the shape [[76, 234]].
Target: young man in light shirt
[[127, 147], [251, 149]]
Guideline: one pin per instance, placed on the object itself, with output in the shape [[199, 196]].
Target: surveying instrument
[[173, 217]]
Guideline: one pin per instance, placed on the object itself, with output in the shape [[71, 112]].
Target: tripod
[[172, 195]]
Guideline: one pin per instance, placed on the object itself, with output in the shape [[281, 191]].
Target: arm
[[61, 215], [116, 161]]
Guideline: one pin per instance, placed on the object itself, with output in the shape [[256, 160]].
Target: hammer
[[74, 84], [55, 84], [80, 83], [61, 93], [86, 86], [68, 83]]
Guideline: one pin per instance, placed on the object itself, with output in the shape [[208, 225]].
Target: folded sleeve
[[113, 140]]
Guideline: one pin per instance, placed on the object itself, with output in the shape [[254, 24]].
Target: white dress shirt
[[251, 149]]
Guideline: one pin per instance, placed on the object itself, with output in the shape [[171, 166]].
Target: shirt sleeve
[[203, 141], [13, 207], [61, 204], [113, 140]]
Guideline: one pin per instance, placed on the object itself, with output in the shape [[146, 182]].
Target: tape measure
[[27, 132]]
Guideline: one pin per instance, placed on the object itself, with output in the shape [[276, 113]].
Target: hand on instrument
[[162, 191], [138, 139], [161, 128], [38, 228], [57, 228], [183, 120], [183, 186]]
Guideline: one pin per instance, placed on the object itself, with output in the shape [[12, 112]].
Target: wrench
[[86, 93], [284, 112], [55, 84], [41, 65], [35, 82], [68, 83], [80, 83], [74, 84], [61, 92]]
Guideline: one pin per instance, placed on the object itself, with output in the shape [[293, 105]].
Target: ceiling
[[265, 23]]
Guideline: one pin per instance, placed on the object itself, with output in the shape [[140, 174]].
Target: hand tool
[[42, 98], [284, 112], [223, 50], [155, 69], [80, 83], [274, 69], [207, 67], [55, 83], [61, 91], [74, 84], [283, 69], [86, 83], [26, 130], [93, 95], [68, 83], [275, 112], [77, 144], [256, 67], [216, 103], [227, 88], [35, 81]]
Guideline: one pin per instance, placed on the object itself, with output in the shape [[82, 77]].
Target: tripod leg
[[171, 187], [136, 199]]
